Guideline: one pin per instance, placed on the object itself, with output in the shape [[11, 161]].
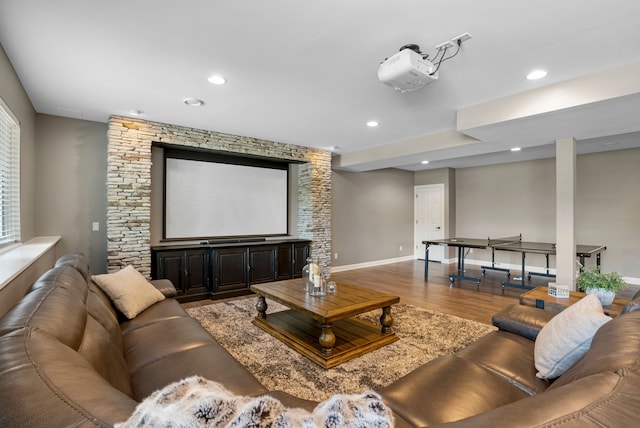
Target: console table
[[539, 297]]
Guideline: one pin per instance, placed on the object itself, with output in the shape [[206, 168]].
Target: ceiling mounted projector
[[407, 70]]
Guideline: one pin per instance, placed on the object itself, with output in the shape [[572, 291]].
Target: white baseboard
[[371, 264]]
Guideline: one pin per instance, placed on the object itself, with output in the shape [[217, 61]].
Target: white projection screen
[[218, 200]]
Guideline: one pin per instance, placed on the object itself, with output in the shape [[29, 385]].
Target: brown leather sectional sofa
[[68, 359]]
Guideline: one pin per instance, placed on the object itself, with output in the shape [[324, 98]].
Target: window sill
[[17, 258]]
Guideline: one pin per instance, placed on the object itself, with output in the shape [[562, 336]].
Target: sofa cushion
[[602, 400], [55, 303], [210, 361], [78, 261], [633, 305], [60, 305], [509, 356], [129, 291], [44, 383], [162, 311], [99, 308], [567, 336], [448, 389], [186, 349], [105, 356], [155, 341]]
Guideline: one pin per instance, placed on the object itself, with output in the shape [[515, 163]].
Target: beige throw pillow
[[567, 337], [129, 291]]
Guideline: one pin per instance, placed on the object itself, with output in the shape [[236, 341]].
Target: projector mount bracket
[[441, 49], [415, 48]]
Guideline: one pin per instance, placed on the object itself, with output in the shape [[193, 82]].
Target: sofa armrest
[[633, 305], [165, 286], [522, 320]]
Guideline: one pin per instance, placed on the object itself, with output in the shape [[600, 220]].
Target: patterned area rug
[[424, 335]]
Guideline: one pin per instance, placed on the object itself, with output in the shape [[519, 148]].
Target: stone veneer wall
[[129, 185]]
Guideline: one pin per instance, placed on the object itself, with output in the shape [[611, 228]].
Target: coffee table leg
[[386, 320], [261, 306], [327, 339]]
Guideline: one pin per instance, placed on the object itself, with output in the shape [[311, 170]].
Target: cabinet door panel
[[197, 262], [262, 264], [300, 254], [169, 265], [285, 262], [230, 269]]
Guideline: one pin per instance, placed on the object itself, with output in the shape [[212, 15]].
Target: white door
[[429, 220]]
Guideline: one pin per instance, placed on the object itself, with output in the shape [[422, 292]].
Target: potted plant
[[603, 285]]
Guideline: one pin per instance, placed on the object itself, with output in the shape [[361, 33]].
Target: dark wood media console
[[221, 270]]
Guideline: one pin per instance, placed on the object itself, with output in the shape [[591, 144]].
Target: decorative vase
[[308, 272], [312, 275], [319, 284], [606, 296]]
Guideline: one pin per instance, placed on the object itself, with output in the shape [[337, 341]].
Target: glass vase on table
[[318, 284], [309, 271]]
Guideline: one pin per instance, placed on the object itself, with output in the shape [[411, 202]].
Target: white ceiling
[[305, 73]]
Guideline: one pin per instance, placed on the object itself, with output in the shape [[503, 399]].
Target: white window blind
[[9, 177]]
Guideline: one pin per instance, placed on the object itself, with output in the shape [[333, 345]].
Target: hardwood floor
[[406, 279]]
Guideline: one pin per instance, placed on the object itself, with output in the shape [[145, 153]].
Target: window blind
[[9, 177]]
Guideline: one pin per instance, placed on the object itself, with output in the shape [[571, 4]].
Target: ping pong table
[[548, 249], [513, 244]]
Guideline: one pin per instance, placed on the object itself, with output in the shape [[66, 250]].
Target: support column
[[565, 207]]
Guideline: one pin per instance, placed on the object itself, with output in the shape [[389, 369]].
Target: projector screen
[[208, 199]]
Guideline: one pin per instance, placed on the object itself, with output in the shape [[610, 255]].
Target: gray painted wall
[[14, 95], [372, 216], [505, 200], [71, 187], [519, 197], [608, 207]]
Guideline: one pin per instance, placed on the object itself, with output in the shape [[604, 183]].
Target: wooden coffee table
[[323, 328]]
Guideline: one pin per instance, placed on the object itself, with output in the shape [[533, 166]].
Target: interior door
[[429, 220]]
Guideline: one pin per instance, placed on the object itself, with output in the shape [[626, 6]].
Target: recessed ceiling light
[[515, 149], [536, 74], [193, 102], [217, 80], [424, 162], [372, 124], [135, 112]]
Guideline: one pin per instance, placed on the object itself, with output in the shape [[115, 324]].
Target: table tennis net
[[504, 241]]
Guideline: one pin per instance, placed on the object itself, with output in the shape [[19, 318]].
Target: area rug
[[423, 335]]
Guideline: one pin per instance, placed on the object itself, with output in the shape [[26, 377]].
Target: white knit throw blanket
[[198, 402]]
